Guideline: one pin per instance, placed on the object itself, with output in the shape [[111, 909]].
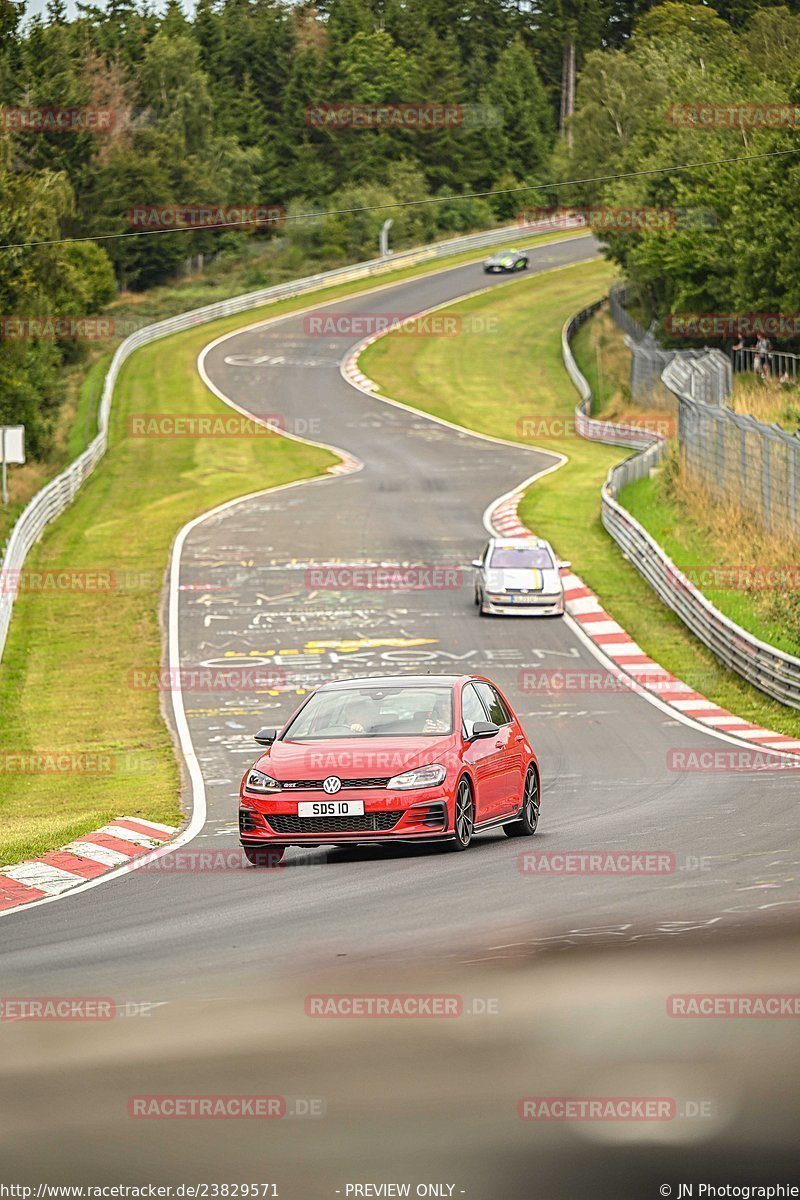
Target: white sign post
[[12, 450]]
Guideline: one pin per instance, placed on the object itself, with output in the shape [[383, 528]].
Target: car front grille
[[315, 785], [370, 823]]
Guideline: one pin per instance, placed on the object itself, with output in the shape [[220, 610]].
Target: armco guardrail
[[54, 498], [770, 670], [610, 432]]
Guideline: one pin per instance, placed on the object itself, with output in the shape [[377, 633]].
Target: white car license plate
[[330, 808]]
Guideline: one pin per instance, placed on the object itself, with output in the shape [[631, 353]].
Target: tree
[[523, 142]]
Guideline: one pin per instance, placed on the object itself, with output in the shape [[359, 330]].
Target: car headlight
[[420, 777], [257, 781]]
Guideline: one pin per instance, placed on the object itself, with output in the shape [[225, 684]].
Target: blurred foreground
[[423, 1101]]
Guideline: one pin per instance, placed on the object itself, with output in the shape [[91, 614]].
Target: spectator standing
[[738, 354]]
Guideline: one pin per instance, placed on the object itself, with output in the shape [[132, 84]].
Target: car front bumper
[[535, 608], [418, 815]]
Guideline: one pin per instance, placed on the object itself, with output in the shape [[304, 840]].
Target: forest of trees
[[211, 106]]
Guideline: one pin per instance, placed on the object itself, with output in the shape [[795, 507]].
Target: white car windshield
[[374, 712], [521, 558]]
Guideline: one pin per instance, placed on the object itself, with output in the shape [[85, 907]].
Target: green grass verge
[[84, 424], [689, 544], [64, 673], [606, 363], [490, 384]]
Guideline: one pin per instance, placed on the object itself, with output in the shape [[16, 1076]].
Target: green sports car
[[506, 260]]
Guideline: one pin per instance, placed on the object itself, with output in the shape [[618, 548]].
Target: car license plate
[[330, 808]]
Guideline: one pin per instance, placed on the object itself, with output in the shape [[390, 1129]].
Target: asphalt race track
[[178, 935]]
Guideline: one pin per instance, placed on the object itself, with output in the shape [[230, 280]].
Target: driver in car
[[438, 719], [358, 716]]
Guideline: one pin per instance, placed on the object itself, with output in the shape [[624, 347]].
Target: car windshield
[[521, 557], [374, 712]]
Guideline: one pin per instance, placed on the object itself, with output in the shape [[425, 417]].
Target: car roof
[[391, 681], [520, 543]]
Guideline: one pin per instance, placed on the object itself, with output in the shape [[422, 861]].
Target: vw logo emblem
[[332, 785]]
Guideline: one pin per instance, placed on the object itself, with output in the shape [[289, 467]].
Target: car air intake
[[369, 823], [432, 816]]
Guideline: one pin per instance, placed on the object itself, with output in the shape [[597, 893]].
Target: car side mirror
[[477, 563], [484, 729], [564, 566], [265, 737]]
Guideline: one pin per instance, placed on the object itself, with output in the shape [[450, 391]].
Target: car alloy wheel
[[528, 824], [465, 816]]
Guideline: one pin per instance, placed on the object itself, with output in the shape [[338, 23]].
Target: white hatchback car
[[519, 577]]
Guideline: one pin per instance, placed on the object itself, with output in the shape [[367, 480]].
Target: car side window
[[508, 713], [495, 706], [471, 709]]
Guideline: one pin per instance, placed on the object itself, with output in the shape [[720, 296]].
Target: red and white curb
[[86, 857], [351, 369], [617, 645]]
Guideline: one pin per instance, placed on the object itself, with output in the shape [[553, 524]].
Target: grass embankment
[[64, 674], [704, 539], [522, 379], [767, 400], [600, 350], [702, 536]]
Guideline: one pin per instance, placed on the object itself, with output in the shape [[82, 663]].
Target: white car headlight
[[420, 777], [257, 781]]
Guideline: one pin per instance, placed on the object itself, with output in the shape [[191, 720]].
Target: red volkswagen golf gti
[[397, 759]]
